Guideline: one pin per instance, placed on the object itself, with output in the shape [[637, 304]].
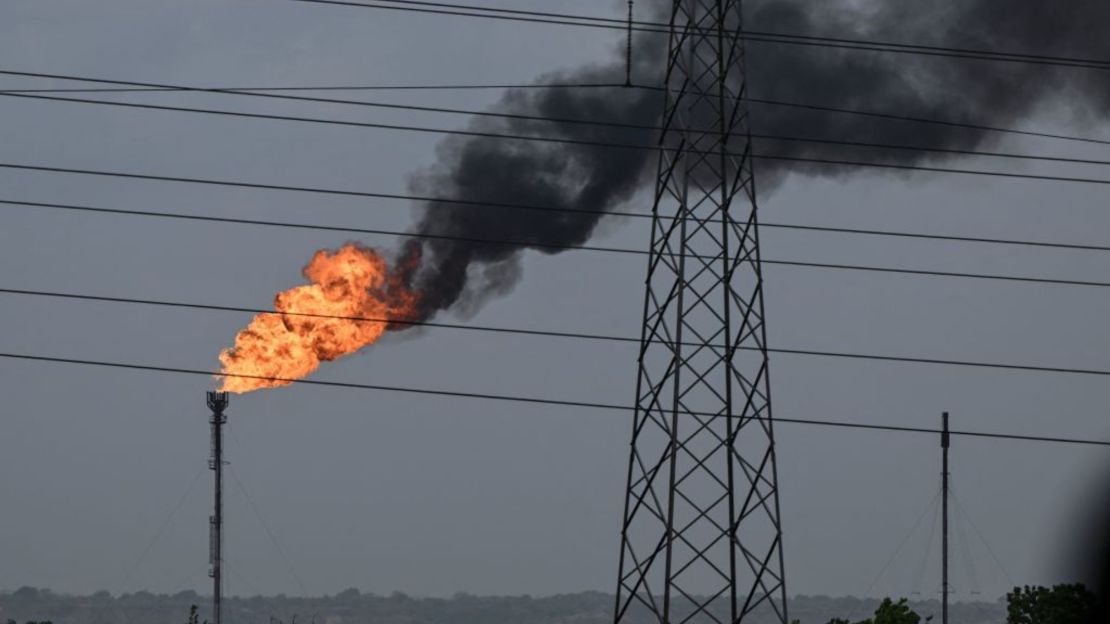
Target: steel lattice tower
[[701, 538]]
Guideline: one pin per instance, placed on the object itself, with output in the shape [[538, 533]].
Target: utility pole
[[944, 443], [217, 402], [701, 539]]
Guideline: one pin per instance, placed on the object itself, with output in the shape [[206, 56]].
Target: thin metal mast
[[701, 538], [944, 443], [628, 50], [217, 402]]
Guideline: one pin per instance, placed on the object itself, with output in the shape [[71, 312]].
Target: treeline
[[1062, 604], [1036, 605]]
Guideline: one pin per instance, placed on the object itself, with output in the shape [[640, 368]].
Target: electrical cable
[[597, 22], [356, 124], [439, 87], [616, 250], [605, 144], [980, 127], [132, 86], [1067, 62], [542, 138], [819, 265], [556, 334], [598, 143], [304, 189], [948, 170], [930, 273], [614, 407], [267, 93]]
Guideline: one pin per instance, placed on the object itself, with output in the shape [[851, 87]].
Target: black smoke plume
[[582, 181], [461, 274]]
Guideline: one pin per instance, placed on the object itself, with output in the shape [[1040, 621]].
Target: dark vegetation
[[1062, 604]]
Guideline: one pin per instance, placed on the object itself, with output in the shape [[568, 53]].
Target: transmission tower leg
[[701, 534]]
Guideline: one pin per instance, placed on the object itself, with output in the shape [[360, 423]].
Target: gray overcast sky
[[432, 496]]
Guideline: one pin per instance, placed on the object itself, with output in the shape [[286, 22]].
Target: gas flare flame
[[351, 301]]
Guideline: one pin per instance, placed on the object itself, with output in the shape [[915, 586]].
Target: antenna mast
[[944, 443], [217, 402]]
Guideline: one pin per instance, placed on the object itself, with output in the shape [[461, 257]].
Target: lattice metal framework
[[701, 538], [217, 403]]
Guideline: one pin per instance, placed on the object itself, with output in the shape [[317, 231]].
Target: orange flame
[[318, 322]]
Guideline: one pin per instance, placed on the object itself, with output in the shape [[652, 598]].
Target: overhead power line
[[435, 87], [947, 170], [530, 400], [928, 273], [556, 334], [601, 249], [333, 384], [269, 92], [793, 263], [542, 138], [937, 237], [589, 21], [633, 146], [981, 127], [619, 250]]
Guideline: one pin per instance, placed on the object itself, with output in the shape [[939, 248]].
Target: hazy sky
[[428, 495]]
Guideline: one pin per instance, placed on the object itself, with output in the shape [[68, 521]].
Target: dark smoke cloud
[[960, 90], [462, 274], [585, 178]]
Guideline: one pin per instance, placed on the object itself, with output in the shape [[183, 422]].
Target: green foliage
[[1063, 604], [889, 612], [194, 618]]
